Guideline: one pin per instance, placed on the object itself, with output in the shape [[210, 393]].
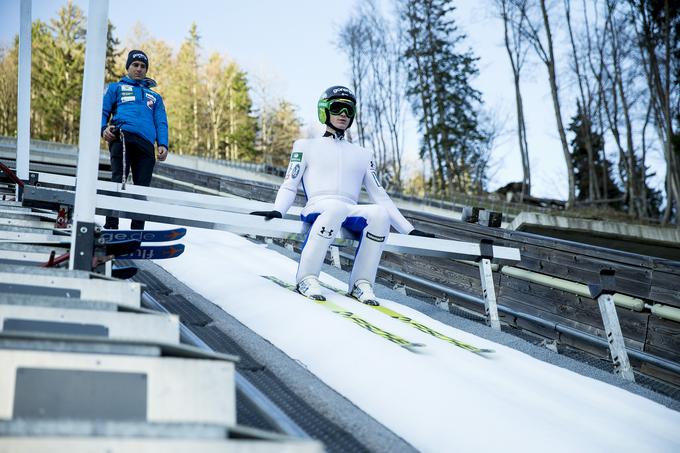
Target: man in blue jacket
[[138, 121]]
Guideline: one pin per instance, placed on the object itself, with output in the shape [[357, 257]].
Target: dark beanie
[[137, 55]]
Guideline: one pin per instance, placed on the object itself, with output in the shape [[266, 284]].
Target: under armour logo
[[325, 233]]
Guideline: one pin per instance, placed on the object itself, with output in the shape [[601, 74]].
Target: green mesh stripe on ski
[[415, 324], [335, 308]]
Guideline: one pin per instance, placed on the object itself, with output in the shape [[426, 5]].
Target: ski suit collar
[[146, 82], [334, 136]]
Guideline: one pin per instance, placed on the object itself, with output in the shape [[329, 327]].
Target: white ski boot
[[363, 292], [310, 287]]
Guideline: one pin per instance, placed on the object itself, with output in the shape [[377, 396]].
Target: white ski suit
[[332, 171]]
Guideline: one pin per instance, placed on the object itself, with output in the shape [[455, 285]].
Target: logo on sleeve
[[296, 171], [150, 100], [296, 157], [375, 178], [373, 170], [374, 237]]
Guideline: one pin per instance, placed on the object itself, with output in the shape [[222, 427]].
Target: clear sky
[[291, 45]]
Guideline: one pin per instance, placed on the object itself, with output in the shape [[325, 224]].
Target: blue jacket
[[136, 109]]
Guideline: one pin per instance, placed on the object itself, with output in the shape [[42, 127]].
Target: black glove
[[268, 215], [415, 232]]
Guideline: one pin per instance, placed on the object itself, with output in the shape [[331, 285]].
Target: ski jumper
[[140, 115], [332, 172]]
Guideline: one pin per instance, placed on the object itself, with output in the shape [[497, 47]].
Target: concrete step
[[69, 385], [159, 327]]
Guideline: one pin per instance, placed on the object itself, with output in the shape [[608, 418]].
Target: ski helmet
[[332, 93]]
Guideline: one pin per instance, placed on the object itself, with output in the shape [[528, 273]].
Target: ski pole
[[124, 179]]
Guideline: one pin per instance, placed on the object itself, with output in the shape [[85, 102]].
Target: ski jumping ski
[[154, 252], [406, 344], [143, 235], [127, 250], [416, 325]]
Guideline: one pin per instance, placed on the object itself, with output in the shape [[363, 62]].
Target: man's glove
[[268, 215], [415, 232]]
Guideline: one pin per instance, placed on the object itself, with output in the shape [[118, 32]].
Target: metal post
[[612, 328], [82, 238], [486, 277], [24, 95], [604, 293], [489, 294]]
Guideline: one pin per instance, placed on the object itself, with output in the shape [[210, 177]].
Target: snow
[[442, 399]]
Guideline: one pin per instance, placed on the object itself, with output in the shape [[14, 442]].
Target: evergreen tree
[[443, 100], [112, 55], [208, 104], [192, 92], [232, 130], [161, 60], [184, 96], [45, 96], [58, 59], [68, 62], [582, 128], [242, 125], [284, 127], [8, 89]]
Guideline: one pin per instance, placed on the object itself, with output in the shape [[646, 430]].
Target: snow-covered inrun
[[443, 399]]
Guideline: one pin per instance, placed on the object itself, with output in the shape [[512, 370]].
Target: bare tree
[[585, 104], [265, 106], [352, 40], [374, 52], [386, 89], [217, 83], [533, 29], [623, 88], [594, 57], [517, 52], [652, 23]]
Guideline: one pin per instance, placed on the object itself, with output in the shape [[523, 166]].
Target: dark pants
[[140, 157]]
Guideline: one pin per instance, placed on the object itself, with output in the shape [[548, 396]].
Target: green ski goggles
[[337, 106]]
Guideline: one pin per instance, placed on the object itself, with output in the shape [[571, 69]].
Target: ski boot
[[310, 287], [363, 292]]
